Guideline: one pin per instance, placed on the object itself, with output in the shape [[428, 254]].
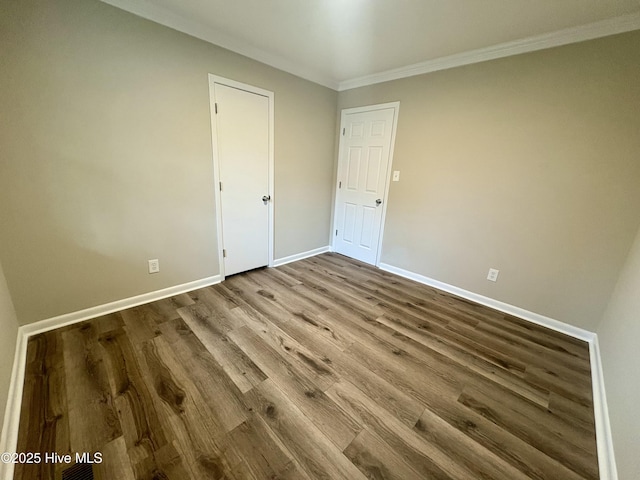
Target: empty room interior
[[322, 239]]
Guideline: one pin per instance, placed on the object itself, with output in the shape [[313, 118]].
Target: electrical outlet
[[396, 176], [493, 274], [154, 265]]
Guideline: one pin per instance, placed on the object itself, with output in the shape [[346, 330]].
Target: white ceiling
[[348, 43]]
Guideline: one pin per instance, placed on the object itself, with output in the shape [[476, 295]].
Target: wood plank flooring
[[325, 368]]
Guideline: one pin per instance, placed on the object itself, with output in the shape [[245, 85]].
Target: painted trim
[[272, 174], [536, 318], [301, 256], [612, 26], [604, 439], [97, 311], [394, 128], [194, 28], [163, 16], [213, 80], [216, 174], [11, 424]]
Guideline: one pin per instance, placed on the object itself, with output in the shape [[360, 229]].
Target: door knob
[[266, 198], [378, 202]]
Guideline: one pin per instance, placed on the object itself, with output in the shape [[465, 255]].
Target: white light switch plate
[[396, 175]]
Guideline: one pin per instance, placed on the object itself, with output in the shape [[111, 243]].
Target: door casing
[[213, 80], [343, 117]]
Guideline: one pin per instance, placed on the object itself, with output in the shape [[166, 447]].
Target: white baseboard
[[604, 438], [606, 459], [536, 318], [301, 256], [9, 440], [88, 313]]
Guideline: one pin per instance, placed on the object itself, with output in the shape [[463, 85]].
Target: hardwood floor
[[321, 369]]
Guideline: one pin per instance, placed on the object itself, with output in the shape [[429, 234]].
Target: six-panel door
[[365, 148]]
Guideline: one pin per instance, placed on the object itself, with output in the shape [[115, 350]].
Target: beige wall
[[9, 328], [528, 164], [105, 151], [618, 335]]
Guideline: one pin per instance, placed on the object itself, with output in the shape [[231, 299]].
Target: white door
[[364, 162], [242, 144]]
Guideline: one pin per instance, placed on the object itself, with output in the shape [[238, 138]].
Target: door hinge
[[343, 130], [336, 233], [216, 108], [224, 253], [339, 184], [220, 186]]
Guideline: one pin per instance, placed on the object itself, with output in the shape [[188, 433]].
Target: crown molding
[[612, 26], [164, 16]]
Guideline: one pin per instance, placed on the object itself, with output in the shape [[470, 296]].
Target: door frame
[[343, 115], [213, 79]]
